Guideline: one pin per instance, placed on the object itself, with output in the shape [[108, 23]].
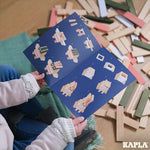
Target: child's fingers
[[76, 121], [40, 76]]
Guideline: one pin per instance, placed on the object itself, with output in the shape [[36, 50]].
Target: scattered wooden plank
[[99, 19], [127, 95], [146, 31], [113, 26], [144, 10], [126, 62], [137, 51], [94, 6], [143, 39], [140, 59], [121, 33], [120, 46], [132, 18], [120, 123], [86, 6], [146, 111], [101, 112], [134, 99], [146, 68], [124, 21], [53, 18], [141, 44], [138, 76], [59, 19], [69, 12], [116, 99], [147, 18], [142, 103], [112, 13], [133, 60], [143, 122], [127, 121], [131, 7], [96, 37], [87, 22], [126, 43], [69, 5], [102, 8], [117, 5], [137, 31], [116, 52]]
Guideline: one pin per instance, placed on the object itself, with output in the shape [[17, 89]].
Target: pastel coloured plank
[[53, 18], [132, 18], [102, 8]]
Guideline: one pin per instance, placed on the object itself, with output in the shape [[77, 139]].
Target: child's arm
[[18, 91]]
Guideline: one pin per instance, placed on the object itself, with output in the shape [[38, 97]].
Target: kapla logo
[[135, 144]]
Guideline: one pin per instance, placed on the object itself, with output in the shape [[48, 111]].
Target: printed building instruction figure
[[40, 52], [72, 54], [53, 68], [81, 104], [103, 86], [59, 37], [69, 88], [121, 77], [89, 72]]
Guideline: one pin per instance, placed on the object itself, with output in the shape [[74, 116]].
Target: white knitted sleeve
[[31, 85]]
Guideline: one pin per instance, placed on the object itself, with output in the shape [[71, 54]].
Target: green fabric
[[11, 52]]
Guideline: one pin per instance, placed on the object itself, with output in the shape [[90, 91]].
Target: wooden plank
[[94, 7], [59, 19], [138, 76], [102, 8], [101, 112], [127, 120], [53, 18], [116, 99], [121, 33], [126, 43], [144, 10], [146, 68], [86, 6], [116, 5], [112, 13], [120, 123], [146, 111], [126, 62], [137, 31], [132, 18], [87, 22], [131, 7], [140, 59], [120, 46], [69, 12], [134, 99], [69, 5], [113, 26], [124, 21], [141, 44], [142, 103], [143, 122], [137, 51], [116, 52], [127, 95], [147, 18], [133, 60], [146, 31]]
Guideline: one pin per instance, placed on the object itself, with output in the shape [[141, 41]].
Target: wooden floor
[[17, 16]]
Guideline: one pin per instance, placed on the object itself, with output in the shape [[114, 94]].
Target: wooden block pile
[[126, 35]]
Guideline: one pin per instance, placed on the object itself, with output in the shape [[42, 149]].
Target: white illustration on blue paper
[[40, 52], [72, 53], [109, 66], [73, 22], [100, 57], [68, 89], [80, 32], [121, 77], [88, 72], [88, 44], [81, 104], [59, 37]]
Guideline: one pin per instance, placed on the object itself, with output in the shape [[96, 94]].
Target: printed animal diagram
[[72, 53], [68, 89], [53, 68], [59, 37], [81, 104], [40, 52]]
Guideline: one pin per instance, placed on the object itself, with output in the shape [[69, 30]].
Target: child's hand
[[79, 125], [39, 78]]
